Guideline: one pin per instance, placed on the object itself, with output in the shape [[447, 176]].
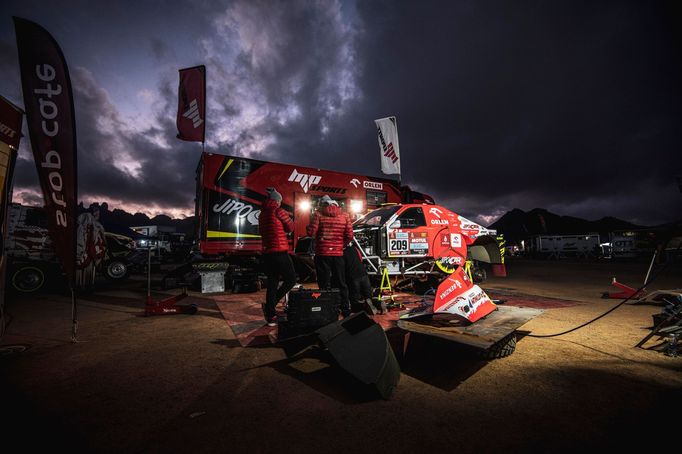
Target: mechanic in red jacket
[[332, 231], [274, 223]]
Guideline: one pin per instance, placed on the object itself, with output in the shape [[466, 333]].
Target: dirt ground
[[183, 383]]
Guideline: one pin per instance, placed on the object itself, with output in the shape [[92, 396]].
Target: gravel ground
[[183, 384]]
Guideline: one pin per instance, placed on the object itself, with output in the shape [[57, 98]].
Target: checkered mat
[[244, 315]]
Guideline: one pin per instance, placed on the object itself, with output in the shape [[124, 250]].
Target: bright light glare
[[356, 206], [304, 205]]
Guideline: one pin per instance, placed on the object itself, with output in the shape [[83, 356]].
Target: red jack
[[625, 293], [167, 306]]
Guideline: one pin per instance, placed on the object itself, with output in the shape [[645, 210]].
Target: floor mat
[[244, 315]]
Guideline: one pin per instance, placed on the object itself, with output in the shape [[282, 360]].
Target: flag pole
[[149, 270], [74, 316]]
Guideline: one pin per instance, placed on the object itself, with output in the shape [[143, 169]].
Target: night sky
[[571, 106]]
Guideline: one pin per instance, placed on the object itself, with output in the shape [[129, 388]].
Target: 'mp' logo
[[304, 179]]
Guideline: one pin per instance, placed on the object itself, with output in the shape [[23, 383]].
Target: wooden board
[[658, 297], [482, 334]]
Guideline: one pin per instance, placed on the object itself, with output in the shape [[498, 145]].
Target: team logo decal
[[304, 179]]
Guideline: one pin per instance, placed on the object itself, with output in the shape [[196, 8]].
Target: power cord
[[651, 279]]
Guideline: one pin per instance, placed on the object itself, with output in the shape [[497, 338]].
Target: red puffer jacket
[[332, 230], [274, 223]]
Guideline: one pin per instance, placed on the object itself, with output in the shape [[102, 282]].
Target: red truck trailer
[[230, 191]]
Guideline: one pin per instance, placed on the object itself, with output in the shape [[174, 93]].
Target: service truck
[[230, 191]]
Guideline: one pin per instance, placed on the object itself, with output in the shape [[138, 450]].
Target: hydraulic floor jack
[[167, 306]]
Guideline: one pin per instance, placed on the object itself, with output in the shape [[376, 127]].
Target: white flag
[[387, 129]]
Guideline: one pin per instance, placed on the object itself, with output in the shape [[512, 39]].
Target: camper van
[[560, 246]]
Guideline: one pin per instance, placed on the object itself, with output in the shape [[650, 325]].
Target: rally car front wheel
[[447, 265], [500, 349]]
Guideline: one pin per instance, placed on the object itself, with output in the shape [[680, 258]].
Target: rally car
[[422, 240], [419, 240]]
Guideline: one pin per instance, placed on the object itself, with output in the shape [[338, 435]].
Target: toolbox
[[308, 310]]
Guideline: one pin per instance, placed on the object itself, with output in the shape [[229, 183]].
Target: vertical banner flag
[[387, 128], [48, 101], [191, 118]]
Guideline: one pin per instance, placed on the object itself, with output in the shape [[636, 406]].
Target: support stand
[[385, 293]]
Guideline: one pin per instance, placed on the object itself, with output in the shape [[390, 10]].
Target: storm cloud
[[572, 107]]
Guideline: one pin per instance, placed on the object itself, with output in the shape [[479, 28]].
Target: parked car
[[33, 264]]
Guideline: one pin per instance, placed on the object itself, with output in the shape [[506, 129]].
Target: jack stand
[[386, 294], [467, 269], [167, 306]]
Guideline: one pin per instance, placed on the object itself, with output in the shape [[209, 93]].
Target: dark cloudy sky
[[568, 105]]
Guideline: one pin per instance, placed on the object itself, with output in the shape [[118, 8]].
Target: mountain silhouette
[[515, 224], [119, 221], [518, 224]]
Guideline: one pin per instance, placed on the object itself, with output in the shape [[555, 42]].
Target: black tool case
[[308, 310]]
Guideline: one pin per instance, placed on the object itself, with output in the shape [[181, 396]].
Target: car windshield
[[377, 217]]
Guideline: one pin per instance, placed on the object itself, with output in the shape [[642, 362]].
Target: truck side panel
[[231, 191]]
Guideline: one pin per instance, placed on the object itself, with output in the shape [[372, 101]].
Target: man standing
[[359, 286], [273, 224], [332, 230]]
